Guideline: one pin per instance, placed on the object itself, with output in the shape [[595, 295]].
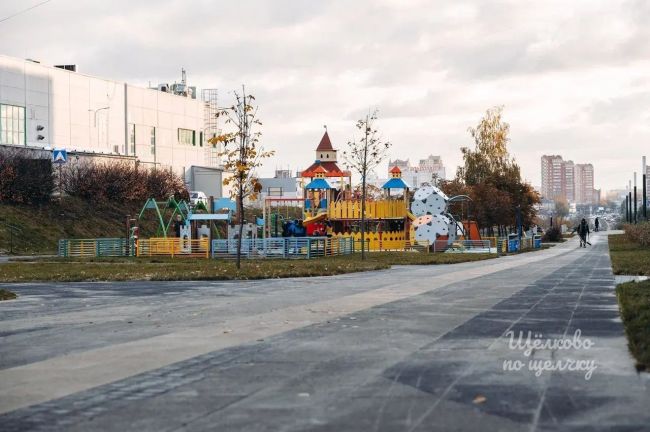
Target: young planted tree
[[242, 153], [362, 156]]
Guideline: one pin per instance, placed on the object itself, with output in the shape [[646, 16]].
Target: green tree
[[242, 152], [493, 176], [362, 156]]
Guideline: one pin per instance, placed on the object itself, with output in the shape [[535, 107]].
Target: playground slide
[[472, 228], [317, 218]]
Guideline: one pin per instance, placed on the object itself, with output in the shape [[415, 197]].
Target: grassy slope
[[43, 227], [628, 258], [634, 301], [119, 269]]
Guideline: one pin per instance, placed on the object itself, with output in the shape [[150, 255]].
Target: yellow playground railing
[[375, 241], [174, 247], [384, 209]]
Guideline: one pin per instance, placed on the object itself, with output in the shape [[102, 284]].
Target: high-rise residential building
[[584, 183], [568, 180], [557, 178], [564, 179], [427, 170]]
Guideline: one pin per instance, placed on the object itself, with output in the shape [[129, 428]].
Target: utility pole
[[629, 200], [635, 219], [645, 198], [644, 171]]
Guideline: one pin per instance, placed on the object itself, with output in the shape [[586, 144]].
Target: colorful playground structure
[[330, 208], [325, 221]]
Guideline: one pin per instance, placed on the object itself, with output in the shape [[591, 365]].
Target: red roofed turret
[[325, 144]]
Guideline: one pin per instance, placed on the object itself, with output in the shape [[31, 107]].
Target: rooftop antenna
[[325, 126], [183, 80]]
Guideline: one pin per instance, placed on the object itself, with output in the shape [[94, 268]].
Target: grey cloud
[[316, 62]]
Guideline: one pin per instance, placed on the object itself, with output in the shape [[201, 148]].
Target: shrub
[[23, 179], [553, 234], [638, 233], [122, 182]]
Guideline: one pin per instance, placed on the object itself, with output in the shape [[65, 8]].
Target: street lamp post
[[644, 197], [635, 206], [629, 200], [95, 122]]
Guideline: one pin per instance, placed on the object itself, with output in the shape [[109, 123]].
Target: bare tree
[[362, 156], [243, 153]]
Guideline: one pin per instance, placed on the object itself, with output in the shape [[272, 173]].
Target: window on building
[[152, 141], [274, 191], [201, 139], [12, 124], [186, 137], [131, 139]]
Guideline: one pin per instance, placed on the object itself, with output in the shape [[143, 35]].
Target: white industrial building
[[58, 108]]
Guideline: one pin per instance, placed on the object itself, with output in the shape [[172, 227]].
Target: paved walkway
[[411, 348]]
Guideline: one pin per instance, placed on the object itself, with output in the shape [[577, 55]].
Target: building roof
[[325, 143], [331, 168], [288, 185], [319, 169], [395, 170], [396, 183], [319, 183]]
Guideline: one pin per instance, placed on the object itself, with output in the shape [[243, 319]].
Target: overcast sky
[[573, 76]]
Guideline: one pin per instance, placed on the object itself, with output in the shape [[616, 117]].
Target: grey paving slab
[[433, 361]]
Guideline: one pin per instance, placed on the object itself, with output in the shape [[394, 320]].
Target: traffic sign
[[59, 156]]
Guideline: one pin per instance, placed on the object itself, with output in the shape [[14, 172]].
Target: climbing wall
[[432, 222]]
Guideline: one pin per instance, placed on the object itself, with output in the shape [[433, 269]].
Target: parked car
[[198, 197]]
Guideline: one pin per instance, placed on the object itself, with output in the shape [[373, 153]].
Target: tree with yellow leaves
[[242, 153]]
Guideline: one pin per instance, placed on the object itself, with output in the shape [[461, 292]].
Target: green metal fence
[[98, 247]]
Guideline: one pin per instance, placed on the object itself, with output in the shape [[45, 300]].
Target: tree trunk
[[364, 172], [363, 217], [240, 205]]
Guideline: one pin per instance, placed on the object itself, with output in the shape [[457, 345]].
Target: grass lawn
[[6, 294], [121, 269], [634, 301], [628, 258]]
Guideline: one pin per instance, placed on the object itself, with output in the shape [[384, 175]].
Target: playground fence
[[283, 247], [98, 247], [174, 247]]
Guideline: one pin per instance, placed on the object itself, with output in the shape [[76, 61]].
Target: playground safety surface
[[410, 348]]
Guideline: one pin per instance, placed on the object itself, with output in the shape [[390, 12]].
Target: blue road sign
[[59, 156]]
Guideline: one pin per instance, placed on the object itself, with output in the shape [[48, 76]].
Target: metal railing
[[98, 247], [173, 247], [284, 247], [469, 246]]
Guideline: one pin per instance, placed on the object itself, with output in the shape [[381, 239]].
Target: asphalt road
[[412, 348]]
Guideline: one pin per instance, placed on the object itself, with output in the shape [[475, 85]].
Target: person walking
[[583, 232], [596, 225]]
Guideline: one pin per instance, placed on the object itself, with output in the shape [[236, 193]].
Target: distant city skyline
[[574, 78]]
